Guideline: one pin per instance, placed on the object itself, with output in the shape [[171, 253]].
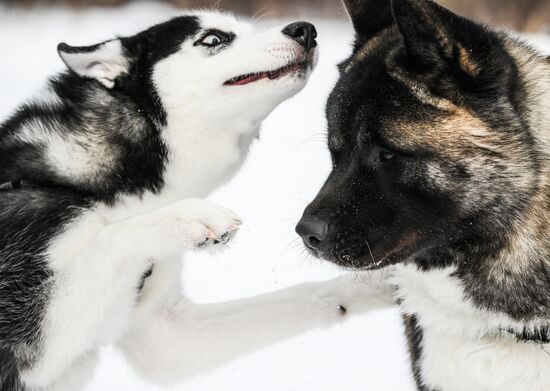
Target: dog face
[[213, 60], [428, 140]]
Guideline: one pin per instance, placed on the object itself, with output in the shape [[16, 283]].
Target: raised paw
[[207, 225], [186, 225]]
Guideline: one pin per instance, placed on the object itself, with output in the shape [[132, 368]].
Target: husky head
[[433, 149], [204, 65]]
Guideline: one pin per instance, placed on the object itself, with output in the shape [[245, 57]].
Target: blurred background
[[520, 15]]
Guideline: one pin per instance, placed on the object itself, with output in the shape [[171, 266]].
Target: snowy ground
[[284, 172]]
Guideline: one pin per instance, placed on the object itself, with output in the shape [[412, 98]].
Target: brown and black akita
[[439, 131]]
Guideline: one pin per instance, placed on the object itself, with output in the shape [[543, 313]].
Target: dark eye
[[386, 156]]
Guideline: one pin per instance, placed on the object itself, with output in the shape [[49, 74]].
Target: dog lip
[[293, 67], [398, 253]]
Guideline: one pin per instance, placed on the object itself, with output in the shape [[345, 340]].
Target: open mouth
[[271, 75]]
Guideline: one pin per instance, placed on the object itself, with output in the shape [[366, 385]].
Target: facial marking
[[421, 92], [467, 63]]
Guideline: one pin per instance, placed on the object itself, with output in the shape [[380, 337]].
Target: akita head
[[206, 65], [431, 149]]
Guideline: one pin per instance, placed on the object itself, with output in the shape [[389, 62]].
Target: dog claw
[[211, 239], [204, 243], [342, 310], [225, 238]]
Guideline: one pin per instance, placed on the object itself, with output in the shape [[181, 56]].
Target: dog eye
[[212, 40], [386, 156]]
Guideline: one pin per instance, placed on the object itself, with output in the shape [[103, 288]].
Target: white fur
[[229, 115], [462, 347], [104, 64], [47, 98], [74, 156], [100, 257]]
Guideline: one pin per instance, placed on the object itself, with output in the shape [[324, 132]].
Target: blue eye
[[211, 40]]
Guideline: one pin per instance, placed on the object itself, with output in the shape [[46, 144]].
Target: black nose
[[313, 231], [302, 32]]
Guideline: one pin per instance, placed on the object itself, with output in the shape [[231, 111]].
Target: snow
[[284, 172]]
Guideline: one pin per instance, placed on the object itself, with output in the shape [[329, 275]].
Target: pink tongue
[[251, 79]]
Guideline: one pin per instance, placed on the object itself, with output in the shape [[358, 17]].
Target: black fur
[[146, 275], [9, 376], [146, 49], [414, 336], [539, 335], [374, 205], [382, 204], [36, 203], [369, 18], [30, 219], [129, 119]]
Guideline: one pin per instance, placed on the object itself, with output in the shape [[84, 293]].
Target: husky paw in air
[[186, 225], [109, 162], [204, 225]]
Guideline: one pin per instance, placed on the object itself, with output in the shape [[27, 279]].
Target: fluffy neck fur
[[533, 237], [516, 279]]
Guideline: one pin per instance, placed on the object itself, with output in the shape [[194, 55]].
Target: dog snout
[[302, 32], [313, 231]]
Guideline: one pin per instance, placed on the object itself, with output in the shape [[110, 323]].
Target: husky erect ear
[[369, 17], [103, 62], [427, 29]]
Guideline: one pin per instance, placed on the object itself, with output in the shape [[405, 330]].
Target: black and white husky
[[439, 132], [102, 178]]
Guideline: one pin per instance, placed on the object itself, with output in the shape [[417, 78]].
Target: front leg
[[97, 266], [182, 339]]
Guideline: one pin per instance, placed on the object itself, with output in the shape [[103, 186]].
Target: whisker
[[370, 251], [257, 17], [319, 137], [291, 246]]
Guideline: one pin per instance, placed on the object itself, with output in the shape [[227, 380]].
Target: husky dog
[[439, 131], [103, 176]]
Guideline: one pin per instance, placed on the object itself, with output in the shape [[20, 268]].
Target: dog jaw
[[195, 81], [208, 118]]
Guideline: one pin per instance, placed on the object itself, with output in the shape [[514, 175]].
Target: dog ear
[[369, 17], [427, 29], [103, 62]]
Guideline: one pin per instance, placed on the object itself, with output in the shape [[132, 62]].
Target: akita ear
[[103, 62], [427, 30], [369, 16]]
